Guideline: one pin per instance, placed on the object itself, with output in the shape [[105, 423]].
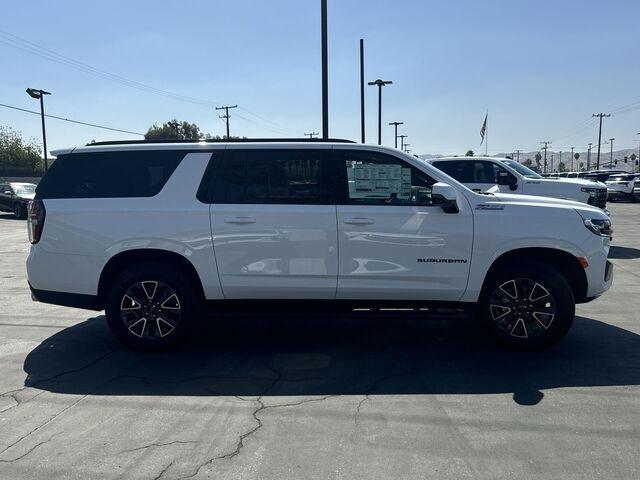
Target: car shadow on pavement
[[333, 356], [626, 253]]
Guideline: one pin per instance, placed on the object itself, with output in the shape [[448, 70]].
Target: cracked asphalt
[[316, 398]]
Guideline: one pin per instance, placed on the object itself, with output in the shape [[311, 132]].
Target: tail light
[[35, 220]]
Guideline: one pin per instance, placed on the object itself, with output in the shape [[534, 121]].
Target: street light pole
[[362, 133], [611, 157], [39, 94], [395, 124], [572, 159], [589, 157], [325, 71], [380, 84]]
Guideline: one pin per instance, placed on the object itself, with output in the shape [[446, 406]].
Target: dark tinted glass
[[461, 171], [378, 179], [271, 176], [109, 174]]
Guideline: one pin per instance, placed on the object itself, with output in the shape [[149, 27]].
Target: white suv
[[621, 186], [152, 233], [482, 174]]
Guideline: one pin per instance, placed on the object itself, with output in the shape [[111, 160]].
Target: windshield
[[25, 189], [521, 169]]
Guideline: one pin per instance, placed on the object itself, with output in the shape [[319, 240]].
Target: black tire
[[132, 297], [19, 211], [539, 314]]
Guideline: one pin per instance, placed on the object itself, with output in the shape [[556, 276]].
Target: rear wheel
[[528, 306], [151, 306]]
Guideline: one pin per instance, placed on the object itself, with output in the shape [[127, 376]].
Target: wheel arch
[[561, 260], [127, 258]]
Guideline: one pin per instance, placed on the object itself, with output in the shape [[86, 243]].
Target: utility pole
[[325, 71], [518, 155], [226, 115], [611, 157], [546, 145], [552, 163], [600, 115], [589, 158], [395, 124], [380, 84], [560, 160], [39, 95], [572, 159], [311, 134], [402, 137], [362, 135]]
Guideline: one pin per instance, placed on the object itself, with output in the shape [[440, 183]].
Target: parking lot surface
[[315, 398]]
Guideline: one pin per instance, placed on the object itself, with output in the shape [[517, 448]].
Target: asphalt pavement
[[320, 398]]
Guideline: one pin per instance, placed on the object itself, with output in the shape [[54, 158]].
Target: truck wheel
[[528, 306], [150, 306]]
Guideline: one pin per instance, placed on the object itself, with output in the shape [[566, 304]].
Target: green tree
[[561, 167], [19, 156], [469, 153], [174, 129]]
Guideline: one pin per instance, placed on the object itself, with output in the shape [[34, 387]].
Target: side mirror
[[506, 178], [445, 196], [8, 193]]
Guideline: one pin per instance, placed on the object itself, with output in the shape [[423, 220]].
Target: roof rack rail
[[221, 140]]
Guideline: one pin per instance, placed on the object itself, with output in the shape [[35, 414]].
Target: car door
[[273, 223], [394, 243], [5, 198]]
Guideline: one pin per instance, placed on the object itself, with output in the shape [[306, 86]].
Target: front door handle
[[359, 221], [239, 220]]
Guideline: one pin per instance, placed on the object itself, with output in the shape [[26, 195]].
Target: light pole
[[589, 157], [380, 84], [405, 147], [395, 124], [325, 70], [402, 137], [572, 159], [39, 94]]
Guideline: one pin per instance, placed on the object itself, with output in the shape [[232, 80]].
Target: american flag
[[483, 129]]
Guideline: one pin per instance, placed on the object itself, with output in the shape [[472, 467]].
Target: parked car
[[155, 232], [482, 174], [621, 186], [15, 197]]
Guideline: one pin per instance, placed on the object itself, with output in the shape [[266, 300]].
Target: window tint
[[272, 177], [461, 171], [109, 174], [379, 179]]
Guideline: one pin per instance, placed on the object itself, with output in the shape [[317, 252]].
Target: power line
[[43, 52], [72, 121]]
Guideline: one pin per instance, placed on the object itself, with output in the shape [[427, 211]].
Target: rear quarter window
[[109, 174]]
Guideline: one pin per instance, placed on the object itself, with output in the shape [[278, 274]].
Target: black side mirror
[[506, 178]]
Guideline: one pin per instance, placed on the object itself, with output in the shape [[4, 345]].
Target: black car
[[15, 197]]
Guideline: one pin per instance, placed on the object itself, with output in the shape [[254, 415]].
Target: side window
[[461, 171], [109, 174], [272, 177], [484, 172], [378, 179]]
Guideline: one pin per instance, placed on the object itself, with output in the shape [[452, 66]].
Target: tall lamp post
[[380, 84], [395, 124], [39, 95]]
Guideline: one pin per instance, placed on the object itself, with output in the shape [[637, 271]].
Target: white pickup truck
[[154, 232], [482, 174]]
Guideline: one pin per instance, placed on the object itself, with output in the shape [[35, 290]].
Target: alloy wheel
[[150, 309], [522, 307]]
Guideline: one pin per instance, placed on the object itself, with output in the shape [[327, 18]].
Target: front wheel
[[151, 306], [528, 306]]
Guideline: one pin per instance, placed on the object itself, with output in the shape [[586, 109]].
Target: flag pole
[[486, 135]]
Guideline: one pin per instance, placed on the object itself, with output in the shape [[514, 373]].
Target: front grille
[[600, 199]]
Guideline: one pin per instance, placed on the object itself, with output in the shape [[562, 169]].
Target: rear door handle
[[239, 220], [359, 221]]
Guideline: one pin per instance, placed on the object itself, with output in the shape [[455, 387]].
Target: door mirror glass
[[7, 192], [445, 196]]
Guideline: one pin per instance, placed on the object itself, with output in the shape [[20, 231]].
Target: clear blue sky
[[540, 67]]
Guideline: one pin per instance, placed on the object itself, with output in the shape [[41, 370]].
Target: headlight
[[599, 226]]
